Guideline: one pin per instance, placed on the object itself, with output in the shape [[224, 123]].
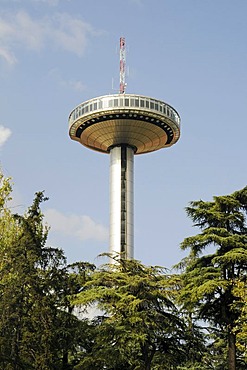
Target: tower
[[123, 125]]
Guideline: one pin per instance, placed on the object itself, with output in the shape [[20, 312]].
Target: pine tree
[[38, 329], [210, 279], [139, 327]]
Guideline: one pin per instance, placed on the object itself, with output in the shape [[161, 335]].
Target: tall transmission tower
[[124, 125]]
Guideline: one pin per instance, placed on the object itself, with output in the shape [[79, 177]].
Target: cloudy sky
[[55, 54]]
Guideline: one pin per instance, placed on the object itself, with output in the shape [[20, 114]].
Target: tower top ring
[[142, 122]]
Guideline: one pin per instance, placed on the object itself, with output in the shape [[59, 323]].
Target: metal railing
[[124, 101]]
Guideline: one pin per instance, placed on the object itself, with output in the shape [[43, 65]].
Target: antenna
[[122, 65]]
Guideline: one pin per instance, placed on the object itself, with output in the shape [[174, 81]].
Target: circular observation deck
[[144, 123]]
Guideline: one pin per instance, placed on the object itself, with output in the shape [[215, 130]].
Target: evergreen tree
[[29, 273], [139, 327], [210, 279], [38, 329]]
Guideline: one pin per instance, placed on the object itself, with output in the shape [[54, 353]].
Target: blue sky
[[55, 54]]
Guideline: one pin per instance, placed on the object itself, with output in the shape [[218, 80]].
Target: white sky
[[55, 54]]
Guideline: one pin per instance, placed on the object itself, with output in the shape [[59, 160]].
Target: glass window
[[132, 102], [126, 102], [121, 102], [136, 102], [147, 103], [95, 106], [142, 103], [86, 108], [91, 107], [115, 102], [156, 106], [105, 103], [100, 104], [151, 105]]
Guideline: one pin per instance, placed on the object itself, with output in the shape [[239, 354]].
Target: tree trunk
[[147, 355], [65, 360], [231, 350]]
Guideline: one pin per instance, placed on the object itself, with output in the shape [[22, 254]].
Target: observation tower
[[123, 125]]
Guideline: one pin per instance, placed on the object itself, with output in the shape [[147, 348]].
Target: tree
[[210, 280], [38, 329], [29, 272], [139, 327]]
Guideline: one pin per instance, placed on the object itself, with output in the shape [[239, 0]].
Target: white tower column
[[122, 201]]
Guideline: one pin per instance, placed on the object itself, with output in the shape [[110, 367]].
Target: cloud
[[7, 56], [48, 2], [83, 227], [59, 30], [4, 134], [76, 85]]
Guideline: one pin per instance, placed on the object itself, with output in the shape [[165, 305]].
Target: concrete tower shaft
[[122, 201]]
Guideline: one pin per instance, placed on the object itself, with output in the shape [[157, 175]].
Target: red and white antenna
[[122, 65]]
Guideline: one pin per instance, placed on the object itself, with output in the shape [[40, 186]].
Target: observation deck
[[143, 123]]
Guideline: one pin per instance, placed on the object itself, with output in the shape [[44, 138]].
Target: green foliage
[[209, 281], [139, 325], [37, 327], [240, 329], [146, 318]]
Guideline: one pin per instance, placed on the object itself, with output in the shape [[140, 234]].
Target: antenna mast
[[122, 65]]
